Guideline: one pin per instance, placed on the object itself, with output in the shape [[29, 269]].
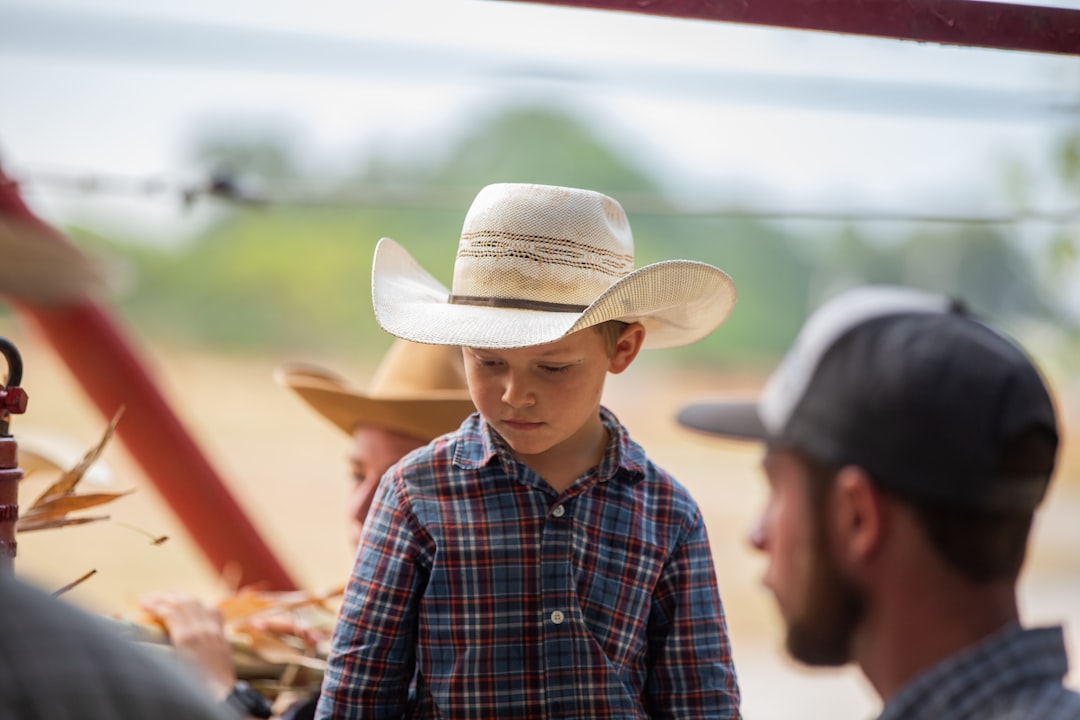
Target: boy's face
[[545, 399]]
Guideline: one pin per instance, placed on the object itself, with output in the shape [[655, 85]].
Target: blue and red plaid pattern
[[1015, 674], [480, 593]]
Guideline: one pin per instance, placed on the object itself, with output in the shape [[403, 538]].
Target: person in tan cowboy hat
[[535, 563], [417, 393]]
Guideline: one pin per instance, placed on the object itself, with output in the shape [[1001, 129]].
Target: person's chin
[[528, 445], [822, 637], [816, 650]]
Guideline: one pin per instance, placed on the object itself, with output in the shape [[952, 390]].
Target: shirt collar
[[478, 445]]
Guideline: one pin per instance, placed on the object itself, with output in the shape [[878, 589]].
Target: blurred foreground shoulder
[[60, 662]]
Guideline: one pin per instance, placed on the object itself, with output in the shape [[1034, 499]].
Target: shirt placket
[[559, 613]]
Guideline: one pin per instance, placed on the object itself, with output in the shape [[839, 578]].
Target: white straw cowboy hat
[[417, 390], [536, 263]]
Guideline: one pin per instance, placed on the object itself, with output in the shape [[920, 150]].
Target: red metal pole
[[976, 23], [86, 337]]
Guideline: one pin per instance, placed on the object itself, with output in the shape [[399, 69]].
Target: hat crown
[[840, 315], [543, 244], [418, 391], [536, 263], [413, 370], [911, 387]]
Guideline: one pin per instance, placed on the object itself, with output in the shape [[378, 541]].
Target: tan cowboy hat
[[417, 390], [536, 263]]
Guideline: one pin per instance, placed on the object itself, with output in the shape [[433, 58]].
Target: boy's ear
[[627, 347]]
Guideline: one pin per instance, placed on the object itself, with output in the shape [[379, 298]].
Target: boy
[[535, 563]]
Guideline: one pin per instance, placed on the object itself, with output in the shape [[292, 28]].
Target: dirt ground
[[287, 469]]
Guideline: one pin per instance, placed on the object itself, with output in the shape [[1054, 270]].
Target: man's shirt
[[479, 592], [1015, 674]]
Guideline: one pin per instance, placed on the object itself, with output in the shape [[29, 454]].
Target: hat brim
[[735, 420], [678, 302], [425, 416]]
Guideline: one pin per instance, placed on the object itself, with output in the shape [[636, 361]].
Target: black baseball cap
[[907, 385]]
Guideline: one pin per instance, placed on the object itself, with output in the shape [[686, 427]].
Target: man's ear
[[627, 347], [859, 517]]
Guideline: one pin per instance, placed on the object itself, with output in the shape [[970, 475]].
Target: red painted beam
[[953, 22], [105, 363]]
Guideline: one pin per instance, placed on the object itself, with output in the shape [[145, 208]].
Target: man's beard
[[833, 609]]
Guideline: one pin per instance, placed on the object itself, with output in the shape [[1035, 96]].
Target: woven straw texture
[[523, 244]]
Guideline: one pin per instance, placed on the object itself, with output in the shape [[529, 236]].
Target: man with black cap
[[908, 445]]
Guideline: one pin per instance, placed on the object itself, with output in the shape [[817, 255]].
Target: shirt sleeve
[[373, 650], [691, 671]]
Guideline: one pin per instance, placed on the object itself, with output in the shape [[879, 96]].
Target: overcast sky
[[780, 118]]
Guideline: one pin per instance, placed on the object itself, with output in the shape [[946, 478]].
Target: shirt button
[[557, 617], [559, 511]]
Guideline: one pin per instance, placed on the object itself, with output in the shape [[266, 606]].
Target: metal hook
[[12, 397], [14, 361]]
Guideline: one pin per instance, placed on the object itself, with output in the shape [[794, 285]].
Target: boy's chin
[[523, 449]]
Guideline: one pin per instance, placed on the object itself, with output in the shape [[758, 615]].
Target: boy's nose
[[516, 393]]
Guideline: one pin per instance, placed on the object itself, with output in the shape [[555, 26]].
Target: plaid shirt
[[480, 593], [1015, 674]]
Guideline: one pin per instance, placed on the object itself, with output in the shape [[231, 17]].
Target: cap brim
[[736, 420]]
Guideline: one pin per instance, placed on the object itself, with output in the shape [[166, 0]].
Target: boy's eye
[[555, 368]]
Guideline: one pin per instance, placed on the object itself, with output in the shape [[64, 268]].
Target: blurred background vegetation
[[287, 271]]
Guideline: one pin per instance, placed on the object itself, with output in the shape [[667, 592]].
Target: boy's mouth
[[521, 424]]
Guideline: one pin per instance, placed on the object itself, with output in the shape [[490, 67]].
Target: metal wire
[[242, 191]]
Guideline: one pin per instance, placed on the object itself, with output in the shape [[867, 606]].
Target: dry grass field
[[287, 469]]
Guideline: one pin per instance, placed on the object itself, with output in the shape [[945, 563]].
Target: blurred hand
[[197, 633], [287, 624]]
